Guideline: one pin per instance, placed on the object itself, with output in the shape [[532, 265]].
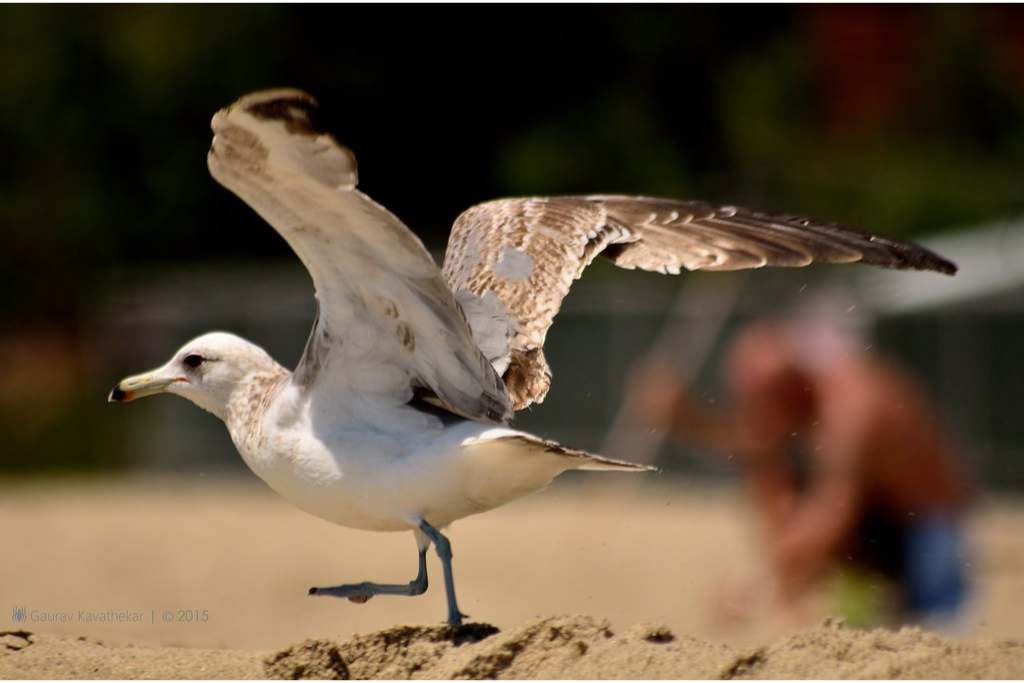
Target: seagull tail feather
[[586, 461]]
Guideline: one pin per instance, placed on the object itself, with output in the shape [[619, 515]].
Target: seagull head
[[206, 371]]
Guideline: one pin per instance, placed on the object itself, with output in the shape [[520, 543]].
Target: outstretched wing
[[510, 262], [388, 327]]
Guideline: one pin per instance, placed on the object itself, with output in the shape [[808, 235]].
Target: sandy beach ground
[[207, 577]]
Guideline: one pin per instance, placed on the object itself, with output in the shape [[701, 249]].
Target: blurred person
[[851, 472]]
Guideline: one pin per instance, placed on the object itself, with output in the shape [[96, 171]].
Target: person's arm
[[658, 398], [813, 531], [819, 522]]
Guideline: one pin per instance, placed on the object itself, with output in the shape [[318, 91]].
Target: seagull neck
[[251, 395]]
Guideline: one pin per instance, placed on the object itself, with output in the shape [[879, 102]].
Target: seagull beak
[[146, 384]]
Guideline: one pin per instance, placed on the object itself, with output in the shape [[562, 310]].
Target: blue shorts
[[935, 578]]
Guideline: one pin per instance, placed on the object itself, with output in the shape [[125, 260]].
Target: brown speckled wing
[[510, 262], [388, 326]]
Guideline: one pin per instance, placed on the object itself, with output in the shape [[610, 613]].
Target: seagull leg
[[444, 551], [361, 592]]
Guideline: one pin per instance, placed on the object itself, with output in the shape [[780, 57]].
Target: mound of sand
[[548, 648]]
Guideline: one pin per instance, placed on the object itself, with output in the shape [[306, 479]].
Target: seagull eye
[[193, 360]]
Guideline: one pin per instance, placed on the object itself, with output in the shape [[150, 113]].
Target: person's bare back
[[873, 412]]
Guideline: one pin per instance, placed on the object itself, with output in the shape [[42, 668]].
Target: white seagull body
[[396, 416]]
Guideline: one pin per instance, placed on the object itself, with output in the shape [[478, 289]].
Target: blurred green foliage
[[104, 125]]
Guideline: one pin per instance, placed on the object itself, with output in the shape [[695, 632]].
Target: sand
[[206, 578], [550, 648]]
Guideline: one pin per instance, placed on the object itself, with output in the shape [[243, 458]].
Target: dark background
[[904, 120]]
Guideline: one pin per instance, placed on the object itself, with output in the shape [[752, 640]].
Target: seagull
[[397, 415]]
